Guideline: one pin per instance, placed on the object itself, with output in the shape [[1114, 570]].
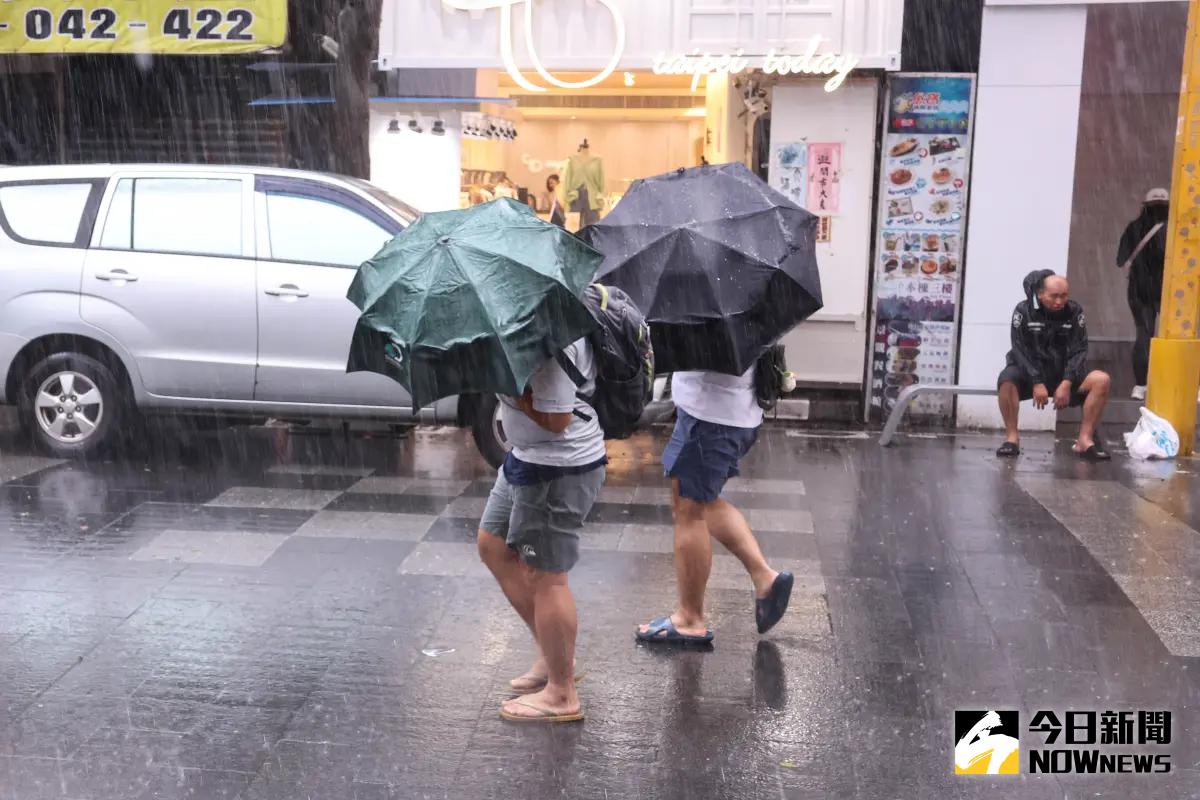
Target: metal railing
[[911, 393]]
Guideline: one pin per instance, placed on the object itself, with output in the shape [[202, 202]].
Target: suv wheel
[[71, 404], [488, 432]]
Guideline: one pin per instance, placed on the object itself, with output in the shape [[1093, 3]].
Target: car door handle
[[287, 290], [116, 275]]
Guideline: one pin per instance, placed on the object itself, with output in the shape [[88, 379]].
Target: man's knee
[[540, 579], [492, 549], [685, 510], [1097, 382]]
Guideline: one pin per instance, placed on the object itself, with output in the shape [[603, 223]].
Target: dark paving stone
[[189, 517], [613, 513], [453, 529], [391, 503]]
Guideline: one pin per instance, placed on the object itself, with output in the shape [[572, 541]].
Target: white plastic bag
[[1152, 438]]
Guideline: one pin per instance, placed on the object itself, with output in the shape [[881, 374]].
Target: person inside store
[[583, 182], [552, 203], [505, 188], [1048, 364], [1140, 255]]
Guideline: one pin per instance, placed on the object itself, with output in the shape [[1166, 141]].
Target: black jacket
[[1146, 271], [1048, 347]]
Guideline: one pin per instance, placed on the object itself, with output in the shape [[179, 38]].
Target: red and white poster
[[824, 178]]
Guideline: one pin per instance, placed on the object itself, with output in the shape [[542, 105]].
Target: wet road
[[268, 615]]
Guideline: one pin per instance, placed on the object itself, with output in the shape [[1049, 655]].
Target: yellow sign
[[179, 27]]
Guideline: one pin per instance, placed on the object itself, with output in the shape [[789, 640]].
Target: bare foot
[[549, 702], [764, 582], [691, 628], [533, 679]]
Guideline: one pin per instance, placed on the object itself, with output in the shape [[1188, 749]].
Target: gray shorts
[[541, 522]]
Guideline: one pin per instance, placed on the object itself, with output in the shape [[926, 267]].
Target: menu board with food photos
[[919, 253]]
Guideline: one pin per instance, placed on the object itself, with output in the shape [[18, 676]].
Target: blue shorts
[[702, 456]]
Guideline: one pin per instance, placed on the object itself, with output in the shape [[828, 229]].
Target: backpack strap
[[603, 290], [568, 366], [577, 378], [1142, 245]]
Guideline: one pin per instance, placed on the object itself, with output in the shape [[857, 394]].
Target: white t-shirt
[[718, 398], [582, 443]]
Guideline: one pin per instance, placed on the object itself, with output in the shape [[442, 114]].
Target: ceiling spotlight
[[415, 126], [394, 126], [439, 128], [629, 79]]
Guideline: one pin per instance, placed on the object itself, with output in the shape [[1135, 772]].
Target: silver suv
[[185, 289]]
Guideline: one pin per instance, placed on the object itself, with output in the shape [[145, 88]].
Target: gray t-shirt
[[582, 443]]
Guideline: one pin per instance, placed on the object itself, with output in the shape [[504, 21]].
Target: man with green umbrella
[[529, 534], [484, 301]]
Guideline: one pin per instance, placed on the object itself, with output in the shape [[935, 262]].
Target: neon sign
[[505, 7], [838, 66]]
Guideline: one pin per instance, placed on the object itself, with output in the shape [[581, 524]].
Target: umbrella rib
[[733, 218], [558, 277], [487, 315]]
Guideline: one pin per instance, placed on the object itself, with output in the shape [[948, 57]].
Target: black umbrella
[[721, 264]]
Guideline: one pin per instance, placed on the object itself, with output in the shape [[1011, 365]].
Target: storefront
[[791, 89]]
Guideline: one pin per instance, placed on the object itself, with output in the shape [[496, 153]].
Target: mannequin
[[583, 181]]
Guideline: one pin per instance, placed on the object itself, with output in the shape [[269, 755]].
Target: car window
[[47, 213], [402, 209], [118, 226], [201, 216], [319, 231]]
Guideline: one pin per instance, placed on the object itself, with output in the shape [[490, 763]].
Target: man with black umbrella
[[717, 423]]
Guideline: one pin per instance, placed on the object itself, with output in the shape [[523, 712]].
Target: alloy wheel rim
[[69, 407]]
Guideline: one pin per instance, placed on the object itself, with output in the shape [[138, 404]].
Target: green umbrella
[[471, 301]]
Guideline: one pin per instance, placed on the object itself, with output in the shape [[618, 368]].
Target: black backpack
[[770, 372], [624, 361]]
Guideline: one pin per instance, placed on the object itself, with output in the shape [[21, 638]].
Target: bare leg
[[1010, 408], [514, 582], [693, 562], [555, 625], [728, 526], [509, 573], [1096, 386]]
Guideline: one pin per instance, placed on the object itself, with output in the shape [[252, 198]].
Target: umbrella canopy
[[721, 264], [471, 301]]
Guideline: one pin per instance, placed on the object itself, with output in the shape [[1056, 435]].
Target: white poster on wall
[[788, 171]]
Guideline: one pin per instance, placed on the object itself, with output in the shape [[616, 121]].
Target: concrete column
[[1022, 179]]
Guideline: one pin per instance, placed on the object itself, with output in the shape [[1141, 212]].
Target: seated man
[[1048, 363]]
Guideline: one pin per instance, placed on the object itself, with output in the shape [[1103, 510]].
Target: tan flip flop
[[536, 687], [543, 714]]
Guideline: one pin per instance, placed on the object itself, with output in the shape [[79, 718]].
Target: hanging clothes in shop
[[584, 183], [762, 146]]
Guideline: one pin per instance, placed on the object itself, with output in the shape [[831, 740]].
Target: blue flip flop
[[663, 630], [770, 609]]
